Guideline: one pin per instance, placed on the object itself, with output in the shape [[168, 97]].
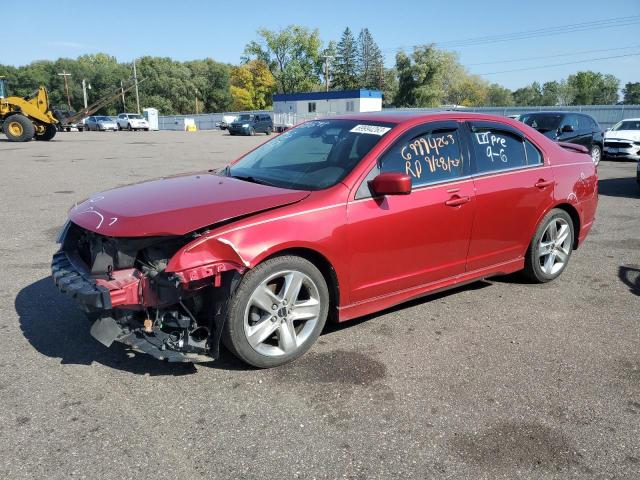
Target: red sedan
[[335, 218]]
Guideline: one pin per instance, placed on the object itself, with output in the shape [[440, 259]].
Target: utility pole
[[64, 75], [135, 79], [196, 101], [327, 59], [84, 91], [124, 105]]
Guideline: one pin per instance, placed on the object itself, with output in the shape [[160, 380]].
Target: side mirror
[[567, 129], [391, 183]]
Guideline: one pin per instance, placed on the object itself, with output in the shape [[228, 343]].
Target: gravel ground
[[499, 379]]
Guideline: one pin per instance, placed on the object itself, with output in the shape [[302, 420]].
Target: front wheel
[[269, 130], [277, 312], [551, 247], [596, 154], [48, 134]]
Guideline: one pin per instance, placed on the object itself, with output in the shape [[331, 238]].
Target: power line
[[560, 64], [541, 32], [515, 60]]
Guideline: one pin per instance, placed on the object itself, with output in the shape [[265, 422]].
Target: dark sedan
[[568, 127]]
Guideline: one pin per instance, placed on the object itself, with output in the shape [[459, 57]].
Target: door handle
[[456, 201], [543, 183]]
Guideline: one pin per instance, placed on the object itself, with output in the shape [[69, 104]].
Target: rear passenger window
[[497, 150], [429, 157], [534, 157]]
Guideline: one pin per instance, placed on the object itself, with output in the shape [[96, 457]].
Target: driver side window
[[427, 155]]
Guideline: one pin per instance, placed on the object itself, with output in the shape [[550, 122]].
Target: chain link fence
[[605, 115]]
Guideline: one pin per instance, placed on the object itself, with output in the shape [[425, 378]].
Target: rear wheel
[[18, 128], [551, 247], [268, 132], [277, 312], [596, 154], [48, 134]]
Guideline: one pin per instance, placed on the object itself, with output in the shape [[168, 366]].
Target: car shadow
[[619, 187], [56, 328], [630, 276]]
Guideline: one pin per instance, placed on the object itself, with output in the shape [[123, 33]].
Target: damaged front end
[[123, 285]]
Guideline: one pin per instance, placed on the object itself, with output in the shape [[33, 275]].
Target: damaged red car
[[336, 218]]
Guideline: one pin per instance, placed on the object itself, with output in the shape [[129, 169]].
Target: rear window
[[497, 150]]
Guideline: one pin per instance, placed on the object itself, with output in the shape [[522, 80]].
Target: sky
[[187, 30]]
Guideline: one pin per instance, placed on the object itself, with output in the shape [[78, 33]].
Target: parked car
[[623, 140], [132, 121], [569, 127], [339, 217], [250, 124], [100, 123], [226, 120]]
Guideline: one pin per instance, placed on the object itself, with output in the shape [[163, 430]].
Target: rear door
[[398, 242], [513, 188]]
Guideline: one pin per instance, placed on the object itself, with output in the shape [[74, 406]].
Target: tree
[[594, 88], [345, 76], [470, 91], [498, 96], [252, 85], [529, 95], [389, 87], [550, 93], [421, 77], [631, 92], [293, 57], [370, 63]]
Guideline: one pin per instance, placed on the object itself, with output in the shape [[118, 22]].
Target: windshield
[[104, 119], [627, 125], [543, 122], [312, 156], [244, 118], [135, 117]]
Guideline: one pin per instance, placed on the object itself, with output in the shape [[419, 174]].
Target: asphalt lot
[[499, 379]]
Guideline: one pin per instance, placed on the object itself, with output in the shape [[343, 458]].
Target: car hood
[[633, 135], [177, 205]]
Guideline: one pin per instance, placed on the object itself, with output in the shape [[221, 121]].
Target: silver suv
[[132, 121]]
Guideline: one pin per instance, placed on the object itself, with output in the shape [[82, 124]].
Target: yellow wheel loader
[[23, 119]]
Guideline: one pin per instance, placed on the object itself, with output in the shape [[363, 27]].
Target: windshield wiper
[[249, 178]]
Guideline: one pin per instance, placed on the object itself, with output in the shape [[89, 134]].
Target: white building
[[335, 102]]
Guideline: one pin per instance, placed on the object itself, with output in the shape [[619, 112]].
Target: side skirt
[[377, 304]]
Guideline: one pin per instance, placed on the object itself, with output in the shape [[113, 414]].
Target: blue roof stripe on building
[[333, 95]]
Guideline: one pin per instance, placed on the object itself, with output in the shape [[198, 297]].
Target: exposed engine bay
[[123, 286]]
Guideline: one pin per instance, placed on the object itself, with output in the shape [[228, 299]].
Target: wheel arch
[[323, 264]]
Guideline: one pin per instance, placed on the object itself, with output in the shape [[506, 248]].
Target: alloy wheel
[[555, 246], [281, 313]]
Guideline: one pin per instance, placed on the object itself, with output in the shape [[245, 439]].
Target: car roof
[[630, 120], [411, 117]]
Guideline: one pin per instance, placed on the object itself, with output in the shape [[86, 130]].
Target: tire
[[119, 128], [146, 129], [129, 127], [596, 154], [48, 134], [268, 131], [269, 337], [18, 128], [550, 249], [252, 132]]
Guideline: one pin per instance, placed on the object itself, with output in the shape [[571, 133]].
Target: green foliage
[[293, 57], [169, 86], [370, 63], [252, 85], [594, 88], [631, 92], [424, 77], [499, 96], [345, 76]]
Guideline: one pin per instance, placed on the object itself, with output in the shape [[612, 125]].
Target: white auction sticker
[[371, 129]]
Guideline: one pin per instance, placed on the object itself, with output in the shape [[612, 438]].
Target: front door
[[398, 242]]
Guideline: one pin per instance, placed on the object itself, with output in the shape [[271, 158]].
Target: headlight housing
[[245, 125]]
